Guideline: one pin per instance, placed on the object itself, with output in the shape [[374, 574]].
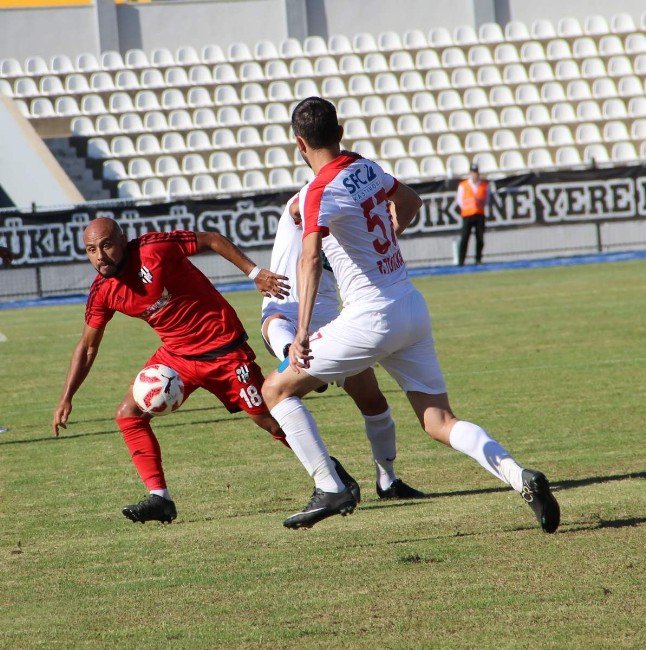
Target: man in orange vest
[[473, 196]]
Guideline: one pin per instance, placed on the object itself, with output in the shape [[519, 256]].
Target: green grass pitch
[[552, 362]]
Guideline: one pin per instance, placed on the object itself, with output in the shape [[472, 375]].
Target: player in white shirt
[[279, 319], [384, 320]]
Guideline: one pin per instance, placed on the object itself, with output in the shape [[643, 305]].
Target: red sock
[[144, 450]]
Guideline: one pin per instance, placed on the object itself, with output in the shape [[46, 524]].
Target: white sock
[[474, 441], [280, 333], [162, 493], [380, 431], [304, 439]]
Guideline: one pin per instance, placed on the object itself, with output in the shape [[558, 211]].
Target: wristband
[[253, 274]]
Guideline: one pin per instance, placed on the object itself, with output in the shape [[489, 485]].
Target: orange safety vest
[[473, 201]]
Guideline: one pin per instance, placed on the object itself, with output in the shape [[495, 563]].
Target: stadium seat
[[420, 146], [122, 145], [505, 53], [401, 61], [221, 161], [567, 157], [98, 148], [559, 135], [364, 148], [439, 37], [162, 57], [252, 93], [487, 119], [434, 123], [187, 56], [614, 109], [382, 127], [490, 33], [172, 98], [129, 190], [333, 87], [228, 116], [87, 62], [539, 159], [302, 68], [514, 73], [431, 167], [479, 55], [107, 125], [504, 140], [148, 145], [595, 26], [113, 170], [248, 136], [166, 166], [527, 94], [249, 71], [225, 95], [153, 188], [198, 140], [83, 127], [578, 90], [265, 50], [501, 96], [92, 105], [254, 181], [427, 60], [152, 78], [339, 44], [248, 159], [476, 141], [624, 152], [414, 39], [622, 23], [392, 148], [620, 66], [448, 143], [465, 35], [567, 70], [302, 175], [198, 96], [637, 107], [408, 125], [386, 84], [640, 65], [558, 50], [146, 100], [596, 154], [583, 48], [326, 66], [604, 88], [611, 46], [111, 60], [61, 64], [449, 100], [66, 106], [542, 30], [615, 131], [180, 120], [349, 107], [372, 105], [239, 52], [489, 76], [120, 103], [212, 54], [276, 69], [457, 165], [355, 128], [224, 73], [588, 111], [279, 177], [136, 58], [563, 112], [360, 85], [587, 134], [516, 31], [462, 78], [35, 66], [10, 68], [25, 87], [511, 161], [423, 102], [541, 72], [460, 121], [631, 86], [552, 92], [276, 157], [155, 121], [569, 27], [531, 52], [290, 48], [475, 98], [635, 44], [229, 182], [453, 57], [532, 137], [275, 134], [512, 117], [593, 68], [364, 42], [203, 184], [411, 82], [397, 104], [276, 112], [537, 115], [223, 139], [315, 46], [50, 85], [176, 77], [406, 169]]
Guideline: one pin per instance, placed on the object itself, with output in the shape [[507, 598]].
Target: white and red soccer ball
[[158, 390]]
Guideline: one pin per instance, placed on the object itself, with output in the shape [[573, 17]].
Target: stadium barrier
[[530, 216]]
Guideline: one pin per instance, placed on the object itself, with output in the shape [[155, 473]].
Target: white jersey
[[285, 254], [348, 200]]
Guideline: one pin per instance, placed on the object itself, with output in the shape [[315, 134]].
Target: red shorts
[[234, 378]]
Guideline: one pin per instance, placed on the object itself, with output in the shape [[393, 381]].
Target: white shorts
[[322, 315], [397, 335]]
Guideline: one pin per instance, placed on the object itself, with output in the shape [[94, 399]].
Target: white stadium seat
[[539, 159], [10, 68], [462, 78], [505, 53], [411, 82], [300, 68], [434, 123], [567, 70], [414, 39], [25, 87], [152, 78], [107, 125], [587, 134], [423, 102], [303, 175], [113, 170], [221, 161], [604, 88], [120, 103], [155, 121], [136, 58], [276, 157], [622, 23], [504, 140], [122, 145], [614, 109], [180, 120], [153, 188], [409, 125], [92, 105], [147, 145], [420, 146], [51, 86], [228, 116], [279, 177], [439, 37], [392, 148], [465, 35], [146, 100], [355, 128], [276, 112], [397, 104], [197, 141], [552, 92], [360, 85], [364, 148], [252, 93], [538, 115], [386, 84], [223, 139], [198, 97], [61, 64], [512, 117], [315, 46], [173, 98], [588, 111], [349, 107], [489, 76], [225, 95], [265, 50], [432, 167], [453, 57], [333, 87], [339, 44], [479, 55], [175, 76], [178, 186], [457, 165], [276, 69], [401, 61], [542, 30], [460, 121], [569, 27], [567, 157], [83, 127], [487, 118], [290, 48], [239, 52], [514, 73], [532, 137], [476, 141], [129, 190], [511, 161], [527, 94], [541, 72], [275, 134], [229, 182], [583, 48], [593, 68], [427, 60], [490, 33], [620, 66], [187, 55], [363, 42], [203, 184], [87, 62], [638, 130], [326, 66], [531, 52], [501, 96], [248, 136], [36, 66], [98, 148], [487, 163], [162, 58], [615, 131], [640, 65], [596, 154], [448, 143], [578, 90], [559, 135], [372, 105], [406, 169], [516, 31], [166, 166], [212, 54], [635, 44], [449, 100], [111, 60], [475, 98], [382, 127], [631, 86], [637, 107], [611, 46], [624, 152], [595, 25], [558, 50], [66, 106], [225, 73]]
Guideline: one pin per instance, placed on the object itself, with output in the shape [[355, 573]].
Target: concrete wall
[[172, 24], [526, 11], [46, 31]]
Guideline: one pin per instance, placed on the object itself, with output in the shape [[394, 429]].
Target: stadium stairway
[[75, 166]]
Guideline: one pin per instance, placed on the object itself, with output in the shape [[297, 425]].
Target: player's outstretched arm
[[82, 360], [405, 202], [266, 281]]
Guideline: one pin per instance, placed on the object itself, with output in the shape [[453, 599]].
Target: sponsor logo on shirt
[[145, 275], [242, 373], [157, 306]]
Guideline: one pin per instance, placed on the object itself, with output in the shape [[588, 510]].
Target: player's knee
[[271, 391], [126, 410]]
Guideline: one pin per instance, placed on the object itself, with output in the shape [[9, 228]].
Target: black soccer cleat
[[152, 508], [321, 506], [400, 490], [537, 494], [347, 480]]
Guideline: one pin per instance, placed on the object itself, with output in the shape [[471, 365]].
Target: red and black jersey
[[160, 285]]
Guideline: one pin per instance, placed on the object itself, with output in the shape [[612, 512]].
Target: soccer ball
[[158, 390]]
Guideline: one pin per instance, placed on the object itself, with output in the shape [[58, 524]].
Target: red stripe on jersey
[[314, 195], [393, 189]]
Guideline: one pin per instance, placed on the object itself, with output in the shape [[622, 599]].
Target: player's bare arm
[[82, 359], [267, 282], [310, 268], [6, 256], [405, 203]]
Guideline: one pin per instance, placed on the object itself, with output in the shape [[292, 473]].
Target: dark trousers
[[477, 221]]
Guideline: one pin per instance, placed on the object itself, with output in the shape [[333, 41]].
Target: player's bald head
[[101, 227]]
